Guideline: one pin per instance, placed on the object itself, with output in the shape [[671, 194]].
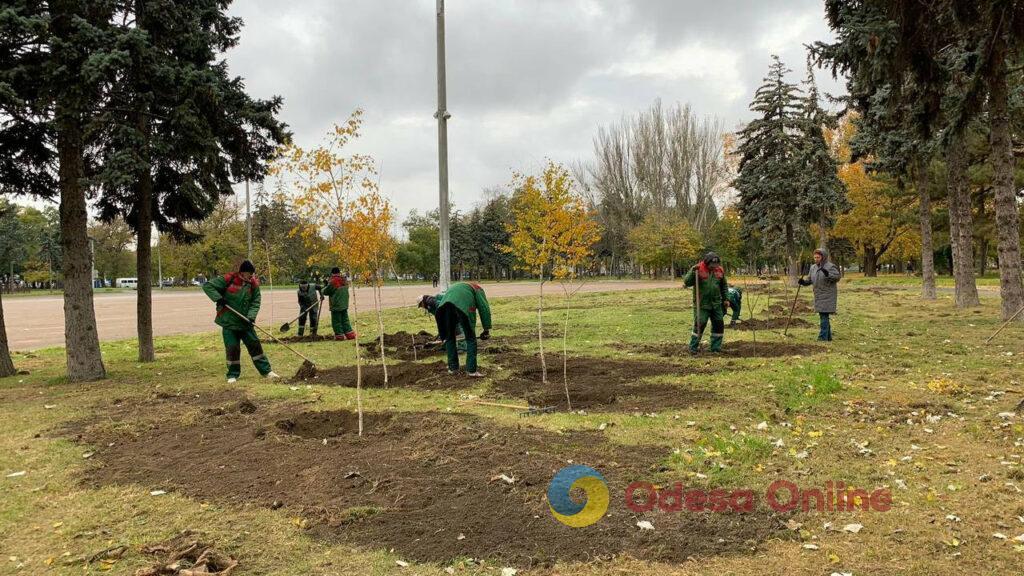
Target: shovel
[[288, 325]]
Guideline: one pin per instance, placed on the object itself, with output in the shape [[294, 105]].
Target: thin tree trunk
[[793, 271], [927, 248], [565, 350], [1011, 291], [540, 332], [960, 225], [81, 341], [6, 364], [380, 328], [359, 362], [822, 233]]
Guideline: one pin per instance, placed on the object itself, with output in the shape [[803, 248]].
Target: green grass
[[839, 414]]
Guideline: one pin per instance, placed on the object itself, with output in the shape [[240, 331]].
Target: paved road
[[38, 322]]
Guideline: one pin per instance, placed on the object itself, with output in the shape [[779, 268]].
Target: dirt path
[[38, 322]]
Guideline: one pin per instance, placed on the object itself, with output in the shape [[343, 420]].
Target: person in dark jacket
[[454, 309], [734, 297], [824, 277], [337, 291], [241, 292], [709, 277], [309, 295]]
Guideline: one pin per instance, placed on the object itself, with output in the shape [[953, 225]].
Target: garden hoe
[[308, 368], [288, 325]]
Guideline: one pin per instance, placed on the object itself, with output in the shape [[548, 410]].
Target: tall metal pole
[[442, 116], [248, 224]]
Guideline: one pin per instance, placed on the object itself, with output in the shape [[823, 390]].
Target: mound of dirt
[[802, 307], [742, 349], [318, 425], [771, 324], [598, 384], [433, 487], [404, 346], [186, 555], [432, 376]]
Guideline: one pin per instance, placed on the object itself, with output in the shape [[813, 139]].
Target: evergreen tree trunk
[[144, 224], [144, 258], [793, 265], [81, 341], [960, 225], [1011, 290], [927, 249], [6, 364], [822, 233]]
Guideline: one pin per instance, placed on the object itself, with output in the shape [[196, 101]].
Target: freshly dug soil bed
[[742, 349], [802, 307], [427, 485], [319, 425], [400, 346], [770, 324], [432, 376], [597, 384]]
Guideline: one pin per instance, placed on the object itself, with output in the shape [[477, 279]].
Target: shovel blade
[[286, 327]]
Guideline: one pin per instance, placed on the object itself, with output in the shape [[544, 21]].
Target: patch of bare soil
[[422, 376], [599, 384], [186, 555], [741, 349], [427, 485], [770, 324], [782, 309], [404, 346]]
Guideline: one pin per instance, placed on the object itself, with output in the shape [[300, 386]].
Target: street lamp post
[[442, 116]]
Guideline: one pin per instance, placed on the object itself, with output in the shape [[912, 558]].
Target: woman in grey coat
[[824, 276]]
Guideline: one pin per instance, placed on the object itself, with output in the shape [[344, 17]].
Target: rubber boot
[[453, 355], [350, 336], [716, 342]]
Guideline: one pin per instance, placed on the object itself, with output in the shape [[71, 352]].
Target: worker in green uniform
[[734, 298], [336, 291], [309, 295], [457, 308], [709, 277], [239, 291]]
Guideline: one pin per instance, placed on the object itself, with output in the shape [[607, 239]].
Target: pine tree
[[179, 130], [823, 195], [770, 180], [904, 65], [57, 59]]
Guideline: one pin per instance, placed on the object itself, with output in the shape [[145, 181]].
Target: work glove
[[221, 303], [485, 335]]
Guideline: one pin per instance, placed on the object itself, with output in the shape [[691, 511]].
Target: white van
[[132, 283]]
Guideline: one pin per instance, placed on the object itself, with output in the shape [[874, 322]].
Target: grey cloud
[[528, 79]]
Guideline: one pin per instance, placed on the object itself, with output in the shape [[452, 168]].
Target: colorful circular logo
[[572, 513]]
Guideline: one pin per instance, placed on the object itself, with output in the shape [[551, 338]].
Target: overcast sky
[[527, 79]]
